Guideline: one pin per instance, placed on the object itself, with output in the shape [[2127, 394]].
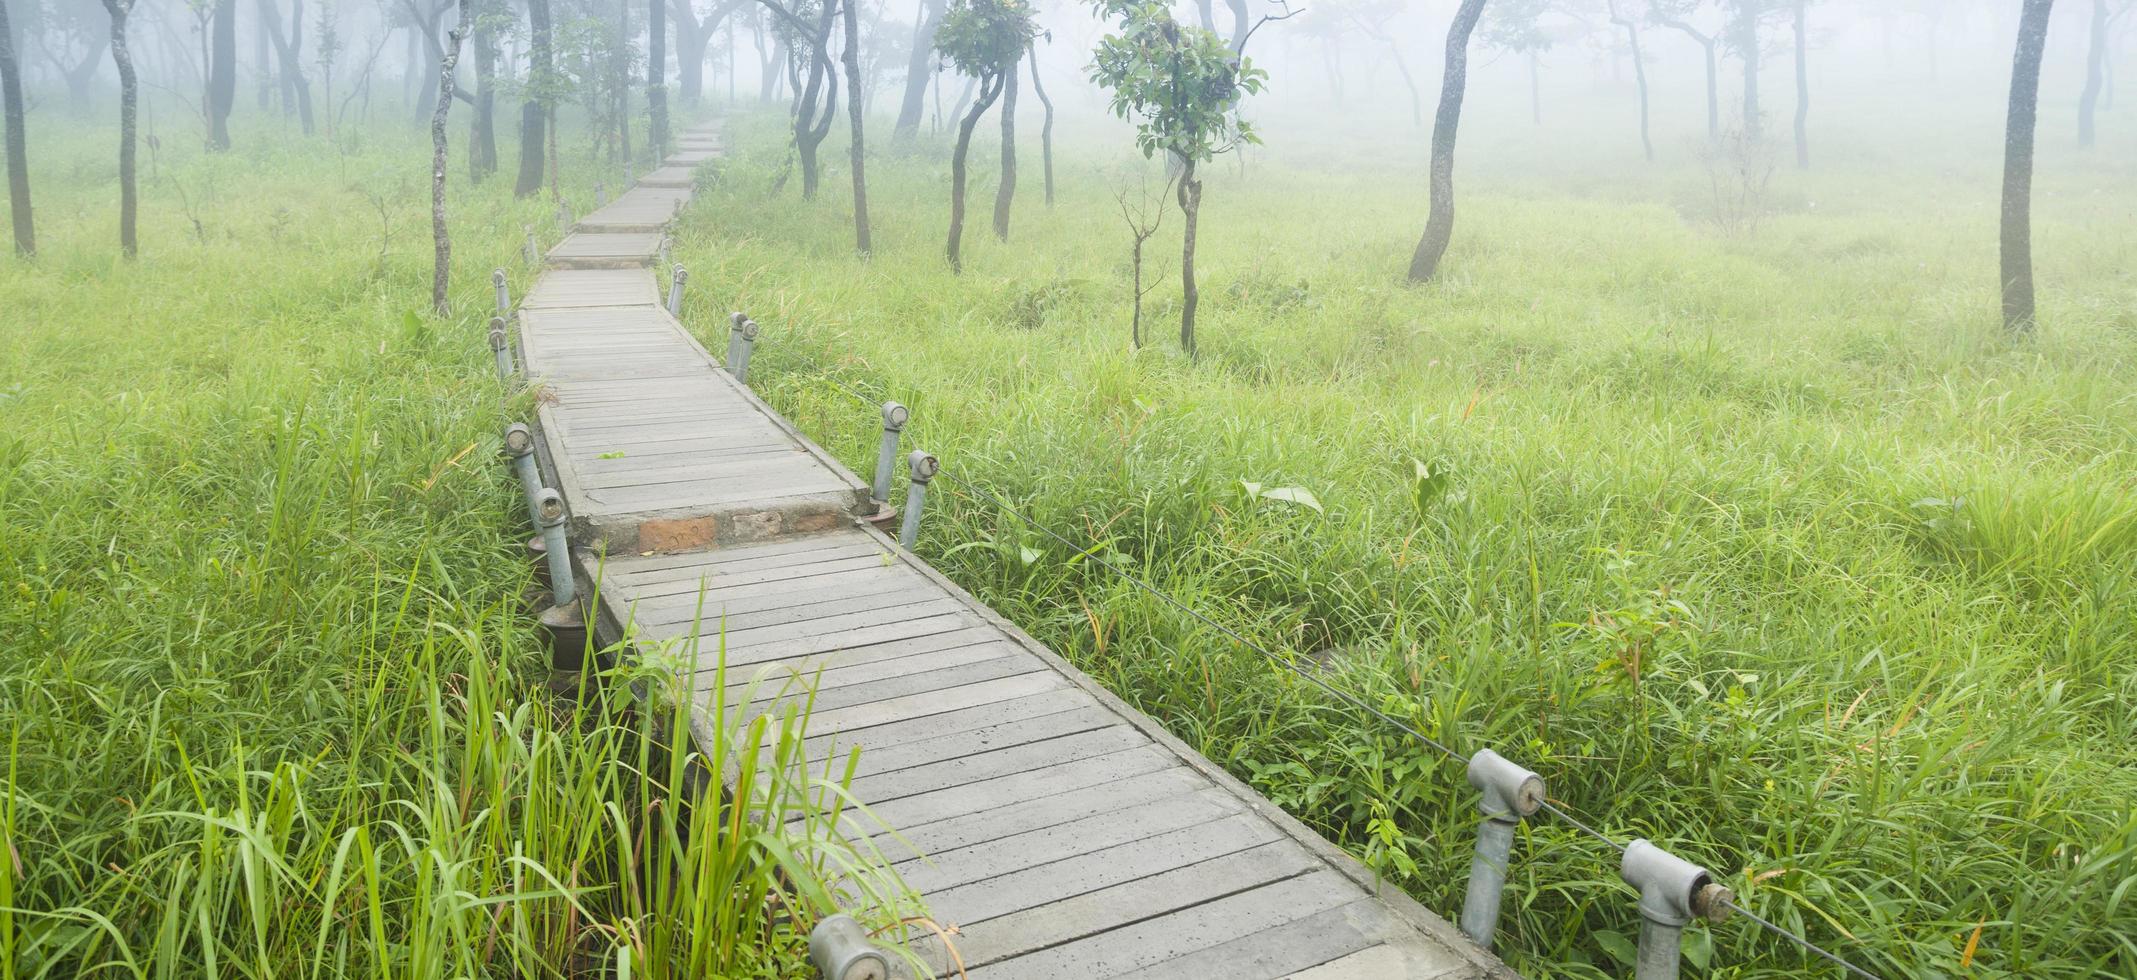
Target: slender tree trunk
[[623, 78], [816, 103], [691, 39], [1439, 227], [1803, 93], [482, 127], [18, 154], [533, 114], [1535, 87], [854, 111], [1639, 75], [1190, 195], [1706, 47], [2017, 243], [2095, 73], [1242, 22], [1046, 129], [288, 52], [988, 89], [442, 267], [263, 61], [1402, 67], [926, 17], [1206, 14], [222, 74], [657, 78], [129, 99], [1005, 192], [1747, 46]]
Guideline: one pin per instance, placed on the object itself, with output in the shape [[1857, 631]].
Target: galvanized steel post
[[894, 419], [501, 348], [533, 252], [1510, 793], [563, 217], [519, 444], [675, 291], [549, 508], [739, 364], [841, 950], [600, 194], [735, 321], [923, 467], [504, 291], [1672, 892], [666, 248]]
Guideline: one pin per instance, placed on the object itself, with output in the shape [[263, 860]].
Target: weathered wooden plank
[[716, 580], [1030, 756], [1072, 802], [915, 706], [894, 688], [1017, 728], [1003, 875], [1404, 958], [1188, 930], [861, 636], [1309, 943], [1006, 790], [1126, 903]]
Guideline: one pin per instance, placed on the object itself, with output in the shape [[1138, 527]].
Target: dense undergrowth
[[269, 703], [1765, 546]]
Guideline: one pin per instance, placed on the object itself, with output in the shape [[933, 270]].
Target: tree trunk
[[926, 17], [533, 115], [691, 39], [442, 267], [2095, 73], [1747, 46], [1190, 195], [988, 89], [1439, 227], [1005, 192], [1535, 87], [286, 51], [1402, 67], [263, 61], [18, 154], [222, 74], [657, 78], [129, 99], [1639, 75], [816, 103], [623, 78], [2017, 250], [1206, 14], [1046, 129], [1803, 94], [854, 110], [482, 126], [1242, 23]]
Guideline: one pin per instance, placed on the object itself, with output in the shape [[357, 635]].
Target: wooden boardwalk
[[1064, 833]]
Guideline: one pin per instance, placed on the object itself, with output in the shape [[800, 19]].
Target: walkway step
[[606, 250]]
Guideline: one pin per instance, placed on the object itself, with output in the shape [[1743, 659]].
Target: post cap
[[749, 330], [497, 334], [497, 277], [1672, 890], [681, 274], [895, 416], [1509, 790], [736, 319], [840, 950], [550, 505], [923, 466], [519, 440]]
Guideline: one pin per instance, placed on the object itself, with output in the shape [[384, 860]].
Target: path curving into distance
[[1064, 833]]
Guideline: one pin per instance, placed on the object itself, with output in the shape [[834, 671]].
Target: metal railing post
[[600, 194], [894, 419], [840, 950], [1510, 794], [519, 444], [924, 467], [1672, 892], [501, 348], [504, 291], [563, 217], [549, 508], [675, 291], [735, 321], [666, 250], [534, 253], [739, 364]]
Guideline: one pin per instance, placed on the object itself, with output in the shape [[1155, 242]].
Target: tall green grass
[[270, 703], [1768, 548]]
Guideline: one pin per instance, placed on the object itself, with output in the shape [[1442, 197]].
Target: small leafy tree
[[983, 40], [1181, 84]]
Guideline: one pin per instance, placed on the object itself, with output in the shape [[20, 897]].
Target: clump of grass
[[1664, 568], [269, 703]]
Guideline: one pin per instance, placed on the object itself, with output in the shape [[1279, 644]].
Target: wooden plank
[[1017, 729], [1188, 930], [1404, 958], [1004, 875], [894, 688], [1006, 790], [1070, 803], [1127, 903], [862, 636], [1307, 944], [1030, 756]]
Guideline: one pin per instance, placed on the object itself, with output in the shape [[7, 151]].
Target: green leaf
[[1620, 948], [1296, 496], [1430, 483]]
